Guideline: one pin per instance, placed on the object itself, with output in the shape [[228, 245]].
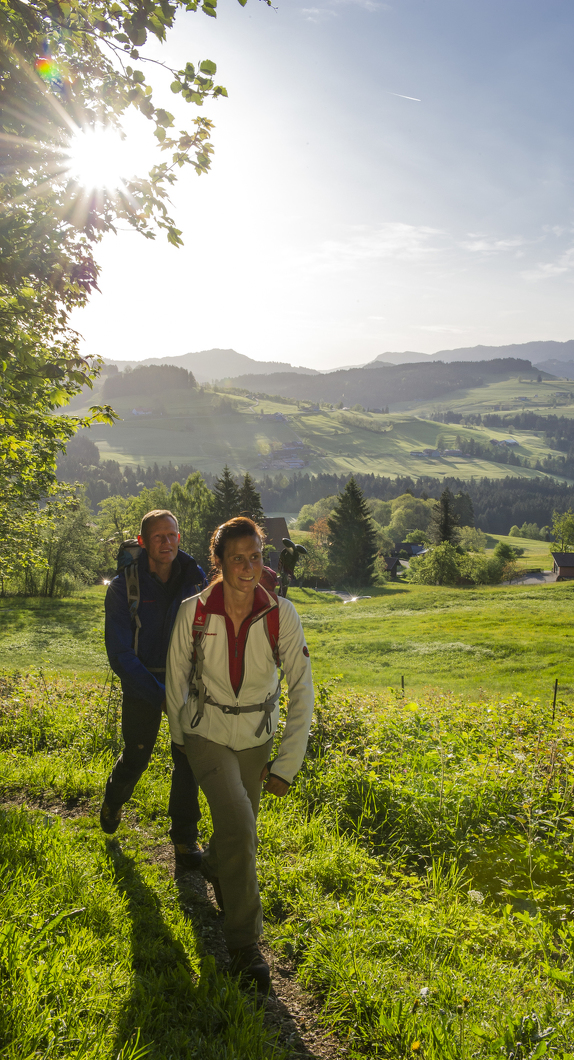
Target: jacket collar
[[212, 598]]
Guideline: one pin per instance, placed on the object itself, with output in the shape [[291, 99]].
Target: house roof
[[563, 559], [276, 530]]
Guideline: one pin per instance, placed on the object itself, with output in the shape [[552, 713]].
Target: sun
[[99, 158]]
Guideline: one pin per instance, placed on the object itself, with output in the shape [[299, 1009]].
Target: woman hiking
[[223, 709]]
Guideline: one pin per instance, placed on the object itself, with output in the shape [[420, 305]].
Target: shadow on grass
[[74, 612], [177, 1013], [194, 900]]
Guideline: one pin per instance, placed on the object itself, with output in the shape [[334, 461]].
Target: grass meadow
[[193, 429], [419, 875]]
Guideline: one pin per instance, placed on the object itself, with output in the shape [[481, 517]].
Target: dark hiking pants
[[140, 726]]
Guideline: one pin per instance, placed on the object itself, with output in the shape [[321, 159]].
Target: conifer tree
[[464, 509], [226, 502], [444, 520], [250, 500], [352, 547]]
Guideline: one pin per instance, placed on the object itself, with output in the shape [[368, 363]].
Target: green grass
[[98, 959], [193, 431], [59, 635], [419, 875], [515, 640], [536, 553]]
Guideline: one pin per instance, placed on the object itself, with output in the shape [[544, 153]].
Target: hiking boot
[[110, 817], [214, 881], [249, 963], [187, 856]]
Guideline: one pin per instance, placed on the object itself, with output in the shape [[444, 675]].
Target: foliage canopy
[[65, 71]]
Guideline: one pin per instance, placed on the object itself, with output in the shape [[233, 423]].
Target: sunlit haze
[[99, 158], [387, 177]]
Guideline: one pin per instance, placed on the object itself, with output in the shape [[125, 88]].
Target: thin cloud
[[441, 327], [547, 270], [415, 99], [480, 244], [318, 14], [389, 241], [322, 14]]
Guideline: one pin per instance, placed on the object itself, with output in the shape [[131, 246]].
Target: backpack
[[201, 621], [127, 562]]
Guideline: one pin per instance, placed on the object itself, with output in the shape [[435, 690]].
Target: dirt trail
[[289, 1011]]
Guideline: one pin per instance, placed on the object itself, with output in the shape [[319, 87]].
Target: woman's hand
[[274, 785]]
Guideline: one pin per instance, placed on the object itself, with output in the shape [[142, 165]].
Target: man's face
[[162, 541]]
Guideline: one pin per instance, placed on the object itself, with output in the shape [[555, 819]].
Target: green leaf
[[137, 34], [209, 10], [138, 76], [176, 86], [163, 117], [207, 67], [243, 2], [174, 237]]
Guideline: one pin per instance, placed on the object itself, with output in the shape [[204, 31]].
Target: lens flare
[[47, 69]]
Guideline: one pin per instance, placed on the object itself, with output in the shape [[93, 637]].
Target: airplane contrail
[[406, 97]]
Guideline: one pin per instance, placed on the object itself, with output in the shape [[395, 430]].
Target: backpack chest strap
[[266, 708]]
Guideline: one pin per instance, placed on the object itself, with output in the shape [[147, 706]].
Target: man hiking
[[137, 639]]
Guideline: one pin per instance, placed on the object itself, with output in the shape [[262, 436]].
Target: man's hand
[[180, 747], [274, 785]]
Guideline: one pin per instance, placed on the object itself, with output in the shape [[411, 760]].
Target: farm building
[[275, 530], [392, 565], [563, 565]]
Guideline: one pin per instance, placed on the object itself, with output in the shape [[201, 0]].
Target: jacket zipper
[[260, 614]]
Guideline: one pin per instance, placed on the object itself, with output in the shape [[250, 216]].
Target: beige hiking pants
[[230, 782]]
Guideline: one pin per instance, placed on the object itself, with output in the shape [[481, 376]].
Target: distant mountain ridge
[[532, 351], [209, 366]]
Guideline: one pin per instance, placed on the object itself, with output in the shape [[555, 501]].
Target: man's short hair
[[152, 517]]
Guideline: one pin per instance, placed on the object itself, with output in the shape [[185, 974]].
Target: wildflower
[[416, 1047], [459, 1009], [466, 1001], [476, 896]]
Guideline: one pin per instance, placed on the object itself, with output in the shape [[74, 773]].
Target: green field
[[194, 429], [514, 639], [418, 879]]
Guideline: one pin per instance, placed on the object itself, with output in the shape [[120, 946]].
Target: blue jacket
[[158, 607]]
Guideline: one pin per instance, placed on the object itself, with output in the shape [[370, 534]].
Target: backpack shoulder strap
[[199, 627], [272, 629], [133, 591]]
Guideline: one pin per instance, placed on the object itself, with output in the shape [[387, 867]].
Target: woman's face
[[242, 563]]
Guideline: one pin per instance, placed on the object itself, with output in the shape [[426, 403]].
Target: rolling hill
[[207, 429], [400, 386]]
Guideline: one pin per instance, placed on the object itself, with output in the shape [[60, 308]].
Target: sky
[[387, 177]]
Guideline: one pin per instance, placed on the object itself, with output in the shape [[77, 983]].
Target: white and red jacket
[[240, 671]]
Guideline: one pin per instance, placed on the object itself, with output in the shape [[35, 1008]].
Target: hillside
[[207, 429], [398, 387]]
